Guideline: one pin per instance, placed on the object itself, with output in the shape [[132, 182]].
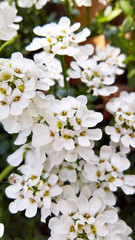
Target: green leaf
[[121, 42], [115, 13], [126, 7], [41, 237], [128, 23], [131, 76], [130, 58]]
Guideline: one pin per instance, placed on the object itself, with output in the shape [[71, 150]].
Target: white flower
[[7, 17], [128, 184], [29, 3], [15, 124], [119, 230], [1, 229], [86, 3], [50, 73], [104, 2], [68, 172], [115, 132], [104, 193], [18, 19]]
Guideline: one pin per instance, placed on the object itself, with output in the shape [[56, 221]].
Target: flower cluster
[[59, 171], [86, 219], [122, 134], [64, 128], [18, 85], [50, 73], [112, 56], [60, 39], [33, 191], [108, 168], [98, 72]]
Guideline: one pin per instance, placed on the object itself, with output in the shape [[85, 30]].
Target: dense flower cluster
[[60, 39], [122, 134], [98, 72], [58, 169], [108, 168], [18, 85], [112, 56], [86, 219], [64, 128]]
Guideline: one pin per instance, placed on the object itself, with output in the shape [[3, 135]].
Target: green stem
[[88, 16], [68, 10], [8, 42], [64, 71], [5, 172]]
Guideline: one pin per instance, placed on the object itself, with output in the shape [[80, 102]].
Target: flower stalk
[[5, 172], [64, 71], [11, 41]]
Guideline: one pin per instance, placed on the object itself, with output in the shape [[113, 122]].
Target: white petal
[[129, 180], [55, 191], [94, 134], [45, 212], [83, 141], [31, 211], [111, 216], [41, 135], [16, 158], [94, 205], [1, 230], [47, 202]]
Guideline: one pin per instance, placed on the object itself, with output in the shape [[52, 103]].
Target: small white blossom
[[5, 4], [7, 17], [104, 2], [1, 229], [50, 73]]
